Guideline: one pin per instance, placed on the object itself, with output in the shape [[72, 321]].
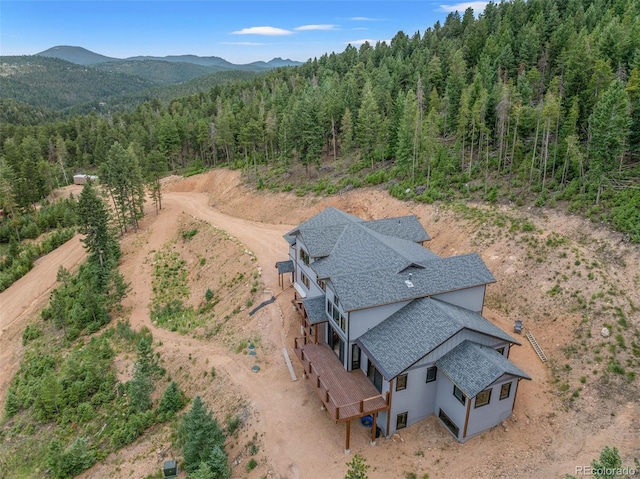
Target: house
[[392, 331]]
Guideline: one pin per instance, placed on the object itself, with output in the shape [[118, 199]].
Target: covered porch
[[345, 394]]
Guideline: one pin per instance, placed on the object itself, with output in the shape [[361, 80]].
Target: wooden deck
[[345, 394]]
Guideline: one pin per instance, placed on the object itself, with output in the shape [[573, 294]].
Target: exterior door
[[336, 344], [355, 357]]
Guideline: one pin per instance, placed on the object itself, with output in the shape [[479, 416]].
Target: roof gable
[[473, 367], [414, 331]]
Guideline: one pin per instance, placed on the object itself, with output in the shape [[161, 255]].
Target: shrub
[[251, 465], [172, 401]]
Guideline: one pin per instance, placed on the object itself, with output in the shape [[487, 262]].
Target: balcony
[[345, 394]]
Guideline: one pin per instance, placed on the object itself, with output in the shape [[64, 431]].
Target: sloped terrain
[[564, 277]]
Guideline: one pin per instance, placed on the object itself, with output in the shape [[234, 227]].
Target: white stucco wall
[[446, 401], [492, 414], [470, 298], [363, 320]]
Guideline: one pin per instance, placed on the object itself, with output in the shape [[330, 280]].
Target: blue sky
[[238, 31]]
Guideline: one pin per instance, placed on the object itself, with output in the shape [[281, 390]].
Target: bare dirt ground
[[548, 435]]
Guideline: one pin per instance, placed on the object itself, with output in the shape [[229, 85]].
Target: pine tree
[[219, 463], [140, 389], [172, 400], [199, 433], [609, 128], [94, 221]]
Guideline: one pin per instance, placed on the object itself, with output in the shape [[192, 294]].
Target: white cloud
[[371, 42], [478, 7], [363, 19], [269, 31], [304, 28], [244, 44]]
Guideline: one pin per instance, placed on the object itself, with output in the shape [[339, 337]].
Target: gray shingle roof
[[321, 232], [405, 227], [285, 266], [319, 245], [329, 217], [368, 262], [415, 330], [473, 367], [387, 282], [315, 308]]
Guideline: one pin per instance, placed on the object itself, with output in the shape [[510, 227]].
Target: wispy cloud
[[305, 28], [364, 19], [268, 31], [244, 44], [478, 7], [370, 41]]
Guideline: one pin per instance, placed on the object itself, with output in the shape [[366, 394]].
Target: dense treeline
[[58, 84], [531, 101]]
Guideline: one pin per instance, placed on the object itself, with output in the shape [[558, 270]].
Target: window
[[374, 376], [355, 357], [304, 256], [432, 374], [343, 323], [401, 382], [323, 285], [336, 300], [305, 280], [401, 421], [449, 423], [505, 391], [457, 392], [335, 314], [501, 350], [483, 398]]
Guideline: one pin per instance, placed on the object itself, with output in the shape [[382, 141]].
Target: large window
[[334, 313], [304, 256], [401, 421], [483, 398], [457, 392], [401, 382], [432, 374], [505, 391]]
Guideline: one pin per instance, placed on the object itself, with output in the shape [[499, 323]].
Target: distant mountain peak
[[74, 54], [82, 56]]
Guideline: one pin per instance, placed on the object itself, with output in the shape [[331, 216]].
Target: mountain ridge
[[83, 56]]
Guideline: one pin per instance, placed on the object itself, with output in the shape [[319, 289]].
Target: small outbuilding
[[81, 179]]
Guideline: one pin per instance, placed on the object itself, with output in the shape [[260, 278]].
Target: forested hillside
[[58, 84], [533, 102]]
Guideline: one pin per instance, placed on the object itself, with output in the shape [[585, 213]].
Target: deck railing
[[342, 411]]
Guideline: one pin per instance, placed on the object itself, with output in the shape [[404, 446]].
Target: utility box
[[170, 469]]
